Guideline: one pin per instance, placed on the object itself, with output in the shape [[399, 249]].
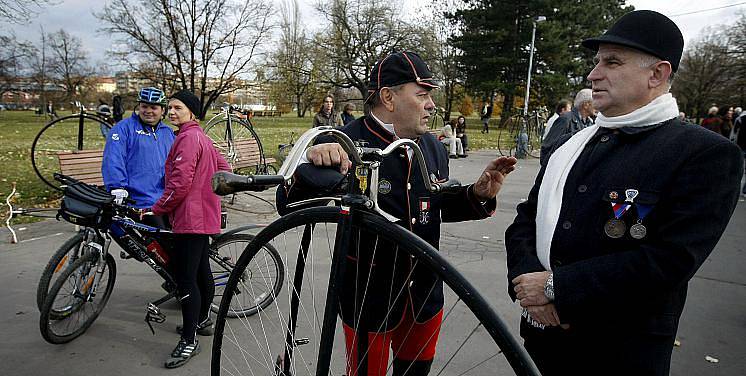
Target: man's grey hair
[[375, 99], [647, 61], [585, 95]]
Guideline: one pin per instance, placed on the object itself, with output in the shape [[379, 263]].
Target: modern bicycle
[[228, 128], [82, 272], [82, 131], [300, 332]]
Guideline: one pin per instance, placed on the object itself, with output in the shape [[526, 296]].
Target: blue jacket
[[135, 158]]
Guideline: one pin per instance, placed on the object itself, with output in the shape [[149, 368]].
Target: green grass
[[18, 129]]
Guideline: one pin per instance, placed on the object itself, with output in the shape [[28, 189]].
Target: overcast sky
[[76, 17]]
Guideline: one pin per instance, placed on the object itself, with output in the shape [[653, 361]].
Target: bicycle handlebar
[[224, 183]]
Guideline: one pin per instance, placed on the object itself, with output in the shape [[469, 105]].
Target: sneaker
[[182, 353], [453, 156], [463, 155], [204, 328]]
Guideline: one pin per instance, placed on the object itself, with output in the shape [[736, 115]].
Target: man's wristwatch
[[549, 287]]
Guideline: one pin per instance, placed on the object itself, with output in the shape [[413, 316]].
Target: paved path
[[119, 343]]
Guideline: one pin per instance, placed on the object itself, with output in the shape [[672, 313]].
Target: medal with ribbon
[[638, 230], [615, 227]]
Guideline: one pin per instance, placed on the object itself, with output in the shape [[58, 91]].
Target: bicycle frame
[[227, 113]]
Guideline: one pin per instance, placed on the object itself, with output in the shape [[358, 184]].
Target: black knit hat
[[190, 100], [647, 31], [400, 68]]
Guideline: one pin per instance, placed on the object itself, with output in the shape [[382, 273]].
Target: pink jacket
[[188, 199]]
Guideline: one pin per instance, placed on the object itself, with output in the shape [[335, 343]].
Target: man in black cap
[[621, 216], [398, 105]]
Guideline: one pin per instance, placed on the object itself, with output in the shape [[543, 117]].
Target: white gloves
[[120, 195]]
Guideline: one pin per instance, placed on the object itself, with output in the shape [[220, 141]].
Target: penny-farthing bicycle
[[300, 333]]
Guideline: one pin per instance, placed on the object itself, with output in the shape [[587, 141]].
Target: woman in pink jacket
[[194, 212]]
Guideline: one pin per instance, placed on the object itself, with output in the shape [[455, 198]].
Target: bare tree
[[68, 62], [20, 11], [201, 45], [13, 53], [294, 66], [359, 33], [703, 72]]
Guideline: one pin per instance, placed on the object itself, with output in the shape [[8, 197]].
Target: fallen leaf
[[677, 343], [711, 359], [485, 237]]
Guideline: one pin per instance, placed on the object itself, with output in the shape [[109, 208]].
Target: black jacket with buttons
[[618, 291], [566, 124], [417, 210]]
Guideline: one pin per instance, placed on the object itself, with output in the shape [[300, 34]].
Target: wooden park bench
[[83, 165], [246, 154]]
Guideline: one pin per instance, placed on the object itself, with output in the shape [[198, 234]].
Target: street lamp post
[[531, 62], [521, 149]]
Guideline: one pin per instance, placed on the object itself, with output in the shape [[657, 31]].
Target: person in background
[[117, 108], [570, 122], [562, 106], [486, 115], [461, 132], [712, 121], [454, 143], [326, 115], [194, 212], [347, 115], [135, 154]]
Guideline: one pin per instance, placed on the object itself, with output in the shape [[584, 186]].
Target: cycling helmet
[[152, 95]]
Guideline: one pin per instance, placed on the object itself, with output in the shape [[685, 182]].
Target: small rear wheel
[[265, 275], [77, 298]]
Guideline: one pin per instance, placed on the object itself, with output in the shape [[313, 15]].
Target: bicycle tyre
[[223, 255], [63, 135], [54, 327], [223, 140], [495, 332], [506, 137], [60, 259]]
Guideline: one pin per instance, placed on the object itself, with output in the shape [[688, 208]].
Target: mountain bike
[[522, 136], [228, 130], [84, 130], [300, 333], [82, 272]]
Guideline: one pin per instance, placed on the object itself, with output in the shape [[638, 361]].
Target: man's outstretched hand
[[491, 180]]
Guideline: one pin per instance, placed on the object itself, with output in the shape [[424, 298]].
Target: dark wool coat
[[623, 297]]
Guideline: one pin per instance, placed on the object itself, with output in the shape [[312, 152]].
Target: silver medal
[[615, 228], [638, 231]]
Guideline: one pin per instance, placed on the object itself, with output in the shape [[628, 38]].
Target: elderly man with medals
[[621, 216]]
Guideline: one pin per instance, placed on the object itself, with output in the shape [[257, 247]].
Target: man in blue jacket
[[136, 151]]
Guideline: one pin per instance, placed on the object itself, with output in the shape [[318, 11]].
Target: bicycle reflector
[[152, 95]]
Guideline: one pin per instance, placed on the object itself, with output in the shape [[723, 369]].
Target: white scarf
[[560, 164]]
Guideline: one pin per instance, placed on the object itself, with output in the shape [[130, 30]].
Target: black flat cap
[[647, 31], [399, 68]]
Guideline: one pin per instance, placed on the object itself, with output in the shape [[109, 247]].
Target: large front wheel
[[392, 280]]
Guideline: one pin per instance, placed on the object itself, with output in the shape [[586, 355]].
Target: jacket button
[[604, 138], [409, 186], [582, 188], [566, 225]]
